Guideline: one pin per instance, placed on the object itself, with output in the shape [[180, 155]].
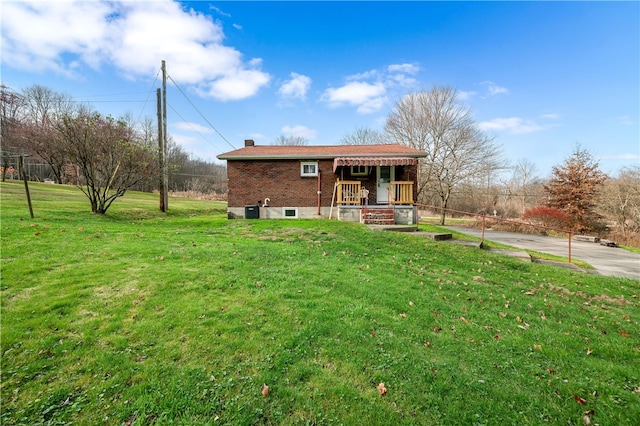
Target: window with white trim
[[308, 168]]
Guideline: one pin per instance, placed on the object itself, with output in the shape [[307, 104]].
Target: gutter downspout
[[319, 192]]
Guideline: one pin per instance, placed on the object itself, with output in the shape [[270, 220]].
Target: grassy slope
[[142, 318]]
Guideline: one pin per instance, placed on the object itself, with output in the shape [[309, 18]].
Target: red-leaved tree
[[574, 189]]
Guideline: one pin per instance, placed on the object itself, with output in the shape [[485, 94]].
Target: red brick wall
[[250, 181]]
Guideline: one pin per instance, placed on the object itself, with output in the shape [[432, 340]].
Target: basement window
[[309, 168], [290, 212]]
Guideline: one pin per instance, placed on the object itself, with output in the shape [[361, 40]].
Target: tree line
[[104, 156], [465, 170]]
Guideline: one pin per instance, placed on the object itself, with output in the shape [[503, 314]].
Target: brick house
[[323, 181]]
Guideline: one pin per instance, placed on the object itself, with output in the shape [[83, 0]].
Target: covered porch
[[352, 203]]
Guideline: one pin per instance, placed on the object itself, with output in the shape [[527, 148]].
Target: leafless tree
[[518, 187], [42, 107], [11, 126], [620, 200], [291, 140], [363, 136], [110, 157], [457, 150]]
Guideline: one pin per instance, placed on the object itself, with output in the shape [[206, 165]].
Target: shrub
[[547, 216]]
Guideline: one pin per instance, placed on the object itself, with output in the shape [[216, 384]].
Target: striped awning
[[373, 161]]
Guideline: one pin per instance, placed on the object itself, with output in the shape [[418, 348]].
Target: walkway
[[609, 261]]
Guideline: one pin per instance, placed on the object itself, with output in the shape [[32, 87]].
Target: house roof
[[319, 152]]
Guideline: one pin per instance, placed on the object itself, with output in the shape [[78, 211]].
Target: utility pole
[[165, 167], [160, 151], [162, 141]]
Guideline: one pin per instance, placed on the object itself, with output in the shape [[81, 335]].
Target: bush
[[547, 216]]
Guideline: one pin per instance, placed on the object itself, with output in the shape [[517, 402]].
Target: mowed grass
[[145, 318]]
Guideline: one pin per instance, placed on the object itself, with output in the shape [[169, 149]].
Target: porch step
[[377, 216]]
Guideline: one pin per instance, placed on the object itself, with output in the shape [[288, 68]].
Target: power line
[[201, 115], [190, 125]]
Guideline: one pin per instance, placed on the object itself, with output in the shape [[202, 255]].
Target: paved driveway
[[607, 260]]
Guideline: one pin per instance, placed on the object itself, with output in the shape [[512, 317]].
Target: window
[[290, 212], [309, 168], [359, 170]]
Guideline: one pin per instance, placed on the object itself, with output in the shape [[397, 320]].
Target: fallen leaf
[[587, 416], [410, 303], [518, 319], [265, 390], [160, 257], [428, 344], [403, 315], [382, 390], [529, 293], [580, 400], [464, 320], [37, 234], [373, 334], [502, 314], [589, 351], [479, 279], [537, 347], [624, 333], [258, 284], [436, 329], [497, 337]]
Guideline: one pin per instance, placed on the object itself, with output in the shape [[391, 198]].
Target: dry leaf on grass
[[580, 400], [382, 390], [265, 390]]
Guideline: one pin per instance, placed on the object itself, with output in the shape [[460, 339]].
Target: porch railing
[[348, 192], [401, 192]]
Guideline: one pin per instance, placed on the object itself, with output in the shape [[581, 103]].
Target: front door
[[385, 174]]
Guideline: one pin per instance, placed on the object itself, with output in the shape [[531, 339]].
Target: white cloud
[[369, 91], [626, 120], [404, 68], [299, 130], [550, 116], [493, 89], [191, 127], [367, 97], [296, 88], [67, 35], [515, 125], [464, 96]]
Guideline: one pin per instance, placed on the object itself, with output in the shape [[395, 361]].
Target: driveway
[[607, 260]]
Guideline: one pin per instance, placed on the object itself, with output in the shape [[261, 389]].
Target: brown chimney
[[249, 142]]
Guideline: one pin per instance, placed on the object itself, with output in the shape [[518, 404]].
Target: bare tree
[[108, 154], [519, 186], [42, 106], [457, 150], [291, 140], [11, 126], [620, 200], [574, 188], [363, 136]]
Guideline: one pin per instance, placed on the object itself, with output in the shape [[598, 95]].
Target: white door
[[385, 174]]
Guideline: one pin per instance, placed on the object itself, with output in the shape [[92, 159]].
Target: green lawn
[[142, 318]]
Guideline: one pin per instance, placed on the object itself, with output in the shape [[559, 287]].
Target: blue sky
[[541, 77]]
